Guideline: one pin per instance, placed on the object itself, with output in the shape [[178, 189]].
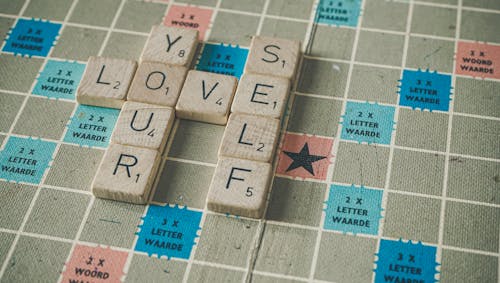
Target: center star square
[[303, 159], [304, 156]]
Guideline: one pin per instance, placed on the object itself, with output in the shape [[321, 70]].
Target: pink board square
[[305, 156], [478, 60], [94, 264], [189, 17]]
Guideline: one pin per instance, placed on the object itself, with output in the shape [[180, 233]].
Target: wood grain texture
[[239, 187], [170, 45], [273, 56], [250, 137], [206, 97], [143, 125], [261, 95], [157, 83], [126, 174], [105, 82]]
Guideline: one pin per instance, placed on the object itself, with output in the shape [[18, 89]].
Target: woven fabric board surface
[[400, 98]]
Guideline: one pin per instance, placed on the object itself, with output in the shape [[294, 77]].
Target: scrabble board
[[387, 169]]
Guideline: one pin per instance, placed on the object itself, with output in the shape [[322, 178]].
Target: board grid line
[[16, 119], [385, 195], [307, 56], [400, 106], [131, 251], [273, 222], [414, 149], [187, 271], [370, 29], [320, 97], [237, 12], [92, 198], [253, 252], [262, 223], [336, 141], [448, 145]]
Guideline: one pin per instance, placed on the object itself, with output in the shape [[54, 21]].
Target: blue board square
[[59, 79], [338, 12], [168, 231], [365, 122], [25, 159], [223, 59], [353, 209], [405, 262], [425, 90], [32, 37], [91, 126]]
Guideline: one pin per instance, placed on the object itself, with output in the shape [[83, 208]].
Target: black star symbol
[[303, 159]]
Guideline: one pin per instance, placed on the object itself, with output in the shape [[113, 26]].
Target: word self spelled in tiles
[[261, 95], [126, 174], [206, 97], [157, 83], [273, 56], [170, 45], [143, 125], [239, 187], [105, 82], [251, 135]]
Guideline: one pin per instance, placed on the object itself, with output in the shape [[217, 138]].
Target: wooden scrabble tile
[[273, 56], [261, 95], [250, 137], [143, 125], [239, 187], [157, 83], [206, 97], [170, 45], [105, 82], [126, 173]]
